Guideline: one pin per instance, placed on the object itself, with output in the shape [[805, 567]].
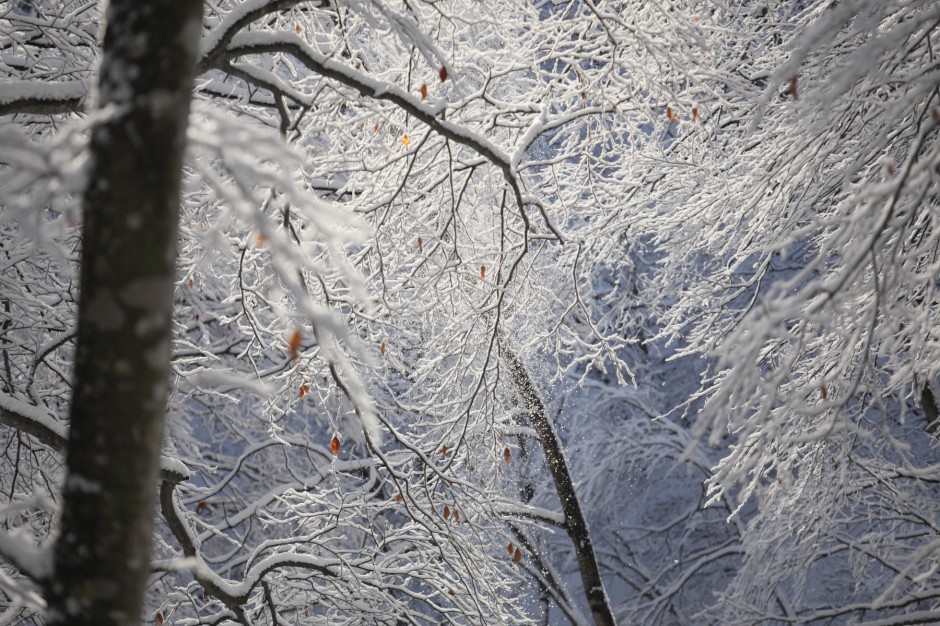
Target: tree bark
[[575, 522], [131, 207]]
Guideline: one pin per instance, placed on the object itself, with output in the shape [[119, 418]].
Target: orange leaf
[[294, 344], [424, 92], [334, 445], [297, 29], [202, 506], [304, 390], [450, 591], [442, 73], [158, 618], [510, 548], [405, 140], [456, 516], [793, 90], [420, 245], [517, 557], [260, 239], [483, 272], [446, 512], [669, 113], [397, 497], [443, 452], [694, 114], [191, 283], [584, 95], [382, 349], [375, 128], [507, 455]]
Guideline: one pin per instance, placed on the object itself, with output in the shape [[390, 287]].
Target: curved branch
[[432, 115], [217, 40], [42, 426], [234, 595], [180, 529], [34, 421]]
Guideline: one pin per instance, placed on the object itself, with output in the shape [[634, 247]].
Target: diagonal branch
[[575, 521], [288, 43], [34, 421], [543, 572], [431, 115]]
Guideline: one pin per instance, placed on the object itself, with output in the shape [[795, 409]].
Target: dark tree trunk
[[131, 206], [575, 522]]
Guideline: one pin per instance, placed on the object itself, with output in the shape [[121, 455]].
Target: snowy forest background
[[472, 312]]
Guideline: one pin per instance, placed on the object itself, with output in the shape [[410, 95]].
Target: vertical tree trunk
[[131, 206]]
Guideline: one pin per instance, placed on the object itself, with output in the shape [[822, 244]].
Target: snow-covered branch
[[42, 98]]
